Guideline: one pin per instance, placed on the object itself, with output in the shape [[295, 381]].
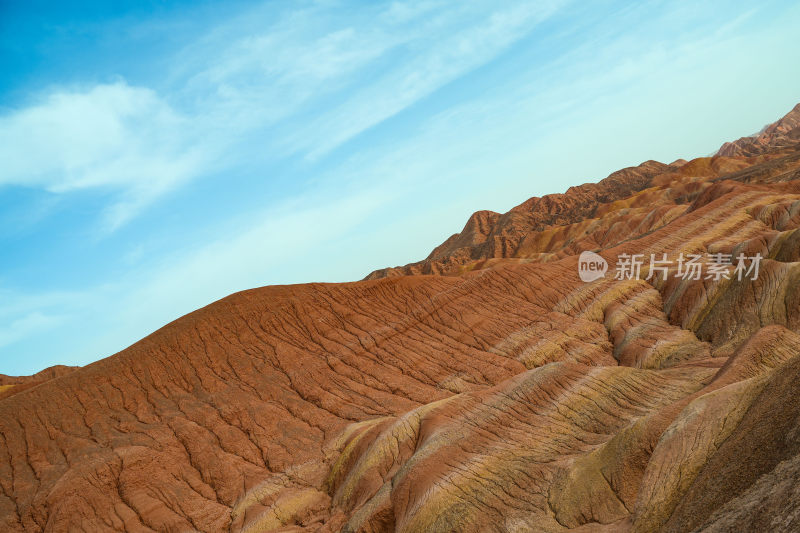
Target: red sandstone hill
[[507, 395], [520, 232], [13, 384], [783, 133]]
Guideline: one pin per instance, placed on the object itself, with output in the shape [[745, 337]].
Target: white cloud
[[113, 136], [302, 81], [444, 47]]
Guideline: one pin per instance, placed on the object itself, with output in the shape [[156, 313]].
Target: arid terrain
[[485, 388]]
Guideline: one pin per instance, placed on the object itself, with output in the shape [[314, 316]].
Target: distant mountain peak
[[780, 133]]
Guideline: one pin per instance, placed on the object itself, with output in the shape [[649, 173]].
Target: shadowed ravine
[[486, 388]]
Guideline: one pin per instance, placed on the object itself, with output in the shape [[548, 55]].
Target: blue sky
[[156, 156]]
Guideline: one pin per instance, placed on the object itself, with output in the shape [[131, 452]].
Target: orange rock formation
[[486, 388]]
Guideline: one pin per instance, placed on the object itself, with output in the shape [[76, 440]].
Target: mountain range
[[484, 388]]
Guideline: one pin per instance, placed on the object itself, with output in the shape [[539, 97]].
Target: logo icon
[[591, 266]]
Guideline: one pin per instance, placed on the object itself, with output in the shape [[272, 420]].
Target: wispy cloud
[[442, 50], [110, 136], [308, 80]]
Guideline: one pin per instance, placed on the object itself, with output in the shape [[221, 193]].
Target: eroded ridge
[[507, 395]]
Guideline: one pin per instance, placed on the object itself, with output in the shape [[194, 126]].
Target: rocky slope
[[507, 395], [783, 133], [548, 227], [13, 384]]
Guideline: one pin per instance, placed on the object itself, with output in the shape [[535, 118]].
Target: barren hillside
[[486, 388]]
